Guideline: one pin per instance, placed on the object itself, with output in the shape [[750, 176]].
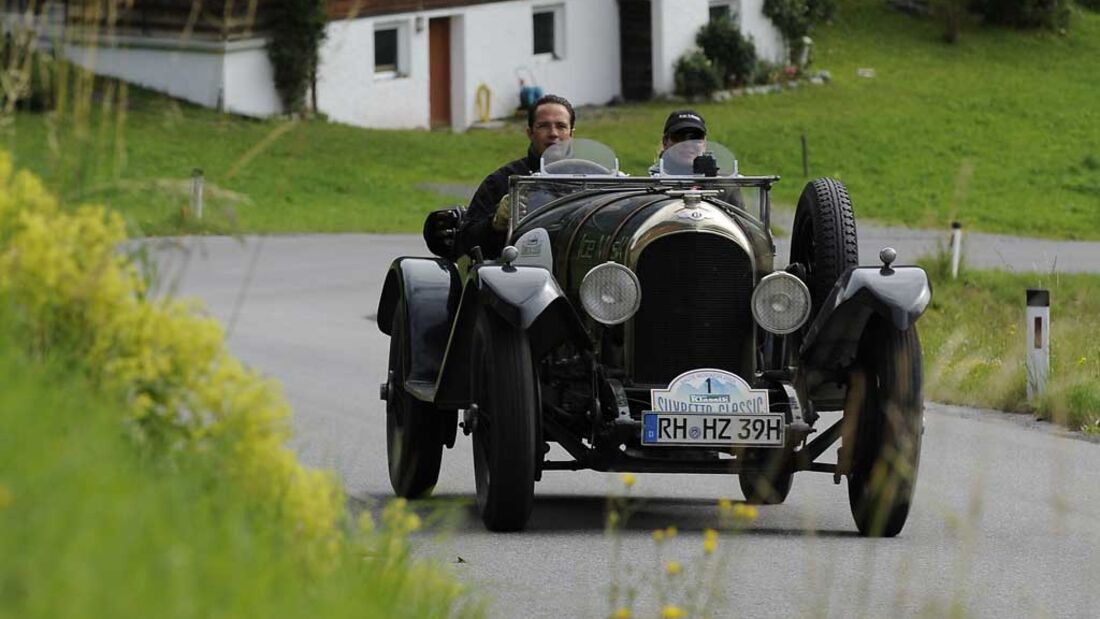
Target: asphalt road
[[1006, 521]]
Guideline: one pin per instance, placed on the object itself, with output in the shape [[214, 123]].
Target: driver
[[680, 126], [549, 121]]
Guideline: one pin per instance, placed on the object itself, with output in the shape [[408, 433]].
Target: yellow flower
[[672, 612], [412, 522], [710, 541], [745, 513], [725, 505], [622, 613], [670, 532], [629, 479], [673, 568], [613, 519], [659, 535], [5, 496], [1082, 361]]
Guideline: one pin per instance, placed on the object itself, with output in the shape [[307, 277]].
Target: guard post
[[956, 248], [1038, 341], [196, 192]]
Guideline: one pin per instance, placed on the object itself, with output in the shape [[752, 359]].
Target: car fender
[[528, 298], [431, 289], [899, 295]]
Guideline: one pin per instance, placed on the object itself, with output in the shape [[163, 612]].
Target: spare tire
[[824, 237]]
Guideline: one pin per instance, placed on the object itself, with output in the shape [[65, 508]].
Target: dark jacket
[[477, 226]]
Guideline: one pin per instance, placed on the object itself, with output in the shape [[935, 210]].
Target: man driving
[[549, 121]]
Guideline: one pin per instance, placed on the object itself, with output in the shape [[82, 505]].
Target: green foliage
[[1092, 5], [297, 30], [27, 77], [795, 19], [733, 53], [1049, 14], [696, 75]]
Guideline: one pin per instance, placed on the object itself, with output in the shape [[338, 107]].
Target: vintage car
[[639, 322]]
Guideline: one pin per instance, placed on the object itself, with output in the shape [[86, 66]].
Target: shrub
[[796, 18], [1050, 14], [28, 81], [1092, 5], [297, 30], [696, 75], [728, 49]]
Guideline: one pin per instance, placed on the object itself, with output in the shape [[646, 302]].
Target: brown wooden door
[[439, 70]]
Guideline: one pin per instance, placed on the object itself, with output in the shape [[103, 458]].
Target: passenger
[[549, 121], [680, 126]]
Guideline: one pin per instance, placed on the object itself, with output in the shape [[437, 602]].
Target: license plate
[[660, 428]]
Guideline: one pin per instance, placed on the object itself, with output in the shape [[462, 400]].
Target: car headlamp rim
[[628, 278], [768, 284]]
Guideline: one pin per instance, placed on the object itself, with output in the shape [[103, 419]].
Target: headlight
[[781, 303], [610, 293]]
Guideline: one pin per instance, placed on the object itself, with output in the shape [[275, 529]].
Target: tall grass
[[974, 343]]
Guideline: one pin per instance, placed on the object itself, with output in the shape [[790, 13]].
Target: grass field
[[974, 333], [1000, 131]]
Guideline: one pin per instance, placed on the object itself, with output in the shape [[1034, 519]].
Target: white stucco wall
[[676, 22], [490, 44], [235, 76]]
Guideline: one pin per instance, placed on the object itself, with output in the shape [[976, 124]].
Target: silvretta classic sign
[[711, 407]]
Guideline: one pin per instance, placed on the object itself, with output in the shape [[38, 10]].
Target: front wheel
[[506, 428], [888, 428], [414, 429]]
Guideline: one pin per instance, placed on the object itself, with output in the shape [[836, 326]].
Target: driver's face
[[551, 126]]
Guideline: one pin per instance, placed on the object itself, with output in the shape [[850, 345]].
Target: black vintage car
[[640, 323]]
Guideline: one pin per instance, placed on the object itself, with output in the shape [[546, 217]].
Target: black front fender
[[528, 298], [430, 288], [899, 295]]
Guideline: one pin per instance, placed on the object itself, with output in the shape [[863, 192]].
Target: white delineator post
[[956, 248], [196, 192], [1038, 341]]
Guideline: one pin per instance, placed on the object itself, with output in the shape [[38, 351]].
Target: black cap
[[684, 119]]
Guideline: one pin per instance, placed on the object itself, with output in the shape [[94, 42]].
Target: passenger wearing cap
[[680, 126], [684, 125]]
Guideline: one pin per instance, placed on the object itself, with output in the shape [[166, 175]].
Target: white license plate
[[660, 428]]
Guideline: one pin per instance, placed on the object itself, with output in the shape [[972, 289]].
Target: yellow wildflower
[[412, 522], [725, 505], [659, 535], [629, 479], [745, 513], [673, 568], [710, 541], [622, 613], [670, 532], [672, 612], [1082, 361]]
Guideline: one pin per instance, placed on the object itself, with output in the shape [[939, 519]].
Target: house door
[[439, 70], [636, 49]]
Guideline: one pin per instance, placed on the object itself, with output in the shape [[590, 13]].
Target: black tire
[[765, 487], [414, 429], [889, 425], [824, 238], [505, 390]]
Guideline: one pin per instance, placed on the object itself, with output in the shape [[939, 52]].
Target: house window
[[549, 31], [390, 50], [726, 9]]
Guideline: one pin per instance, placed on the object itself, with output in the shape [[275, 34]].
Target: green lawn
[[1001, 131]]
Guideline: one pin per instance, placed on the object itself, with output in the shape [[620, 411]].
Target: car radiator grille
[[695, 310]]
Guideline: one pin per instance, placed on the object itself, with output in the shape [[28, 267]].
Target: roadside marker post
[[1038, 341], [956, 248], [196, 192]]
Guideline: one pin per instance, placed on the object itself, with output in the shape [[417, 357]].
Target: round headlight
[[610, 293], [781, 303]]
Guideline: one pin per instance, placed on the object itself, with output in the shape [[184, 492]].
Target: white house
[[417, 63]]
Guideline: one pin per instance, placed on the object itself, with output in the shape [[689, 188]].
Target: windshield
[[579, 156], [697, 158]]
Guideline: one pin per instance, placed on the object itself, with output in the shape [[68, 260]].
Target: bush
[[1049, 14], [796, 18], [1092, 5], [696, 75], [729, 50], [297, 30]]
